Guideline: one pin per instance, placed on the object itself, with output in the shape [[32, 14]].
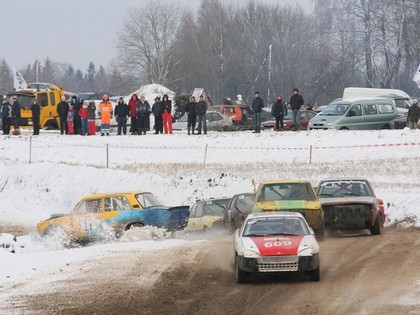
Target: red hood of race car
[[277, 245]]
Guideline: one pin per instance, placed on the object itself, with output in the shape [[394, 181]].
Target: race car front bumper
[[279, 263]]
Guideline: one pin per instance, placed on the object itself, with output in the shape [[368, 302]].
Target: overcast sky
[[71, 31]]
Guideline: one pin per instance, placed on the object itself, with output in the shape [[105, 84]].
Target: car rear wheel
[[240, 275], [376, 228]]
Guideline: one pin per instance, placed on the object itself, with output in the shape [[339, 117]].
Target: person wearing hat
[[413, 115], [157, 110], [143, 115], [257, 106], [296, 101], [16, 114], [91, 118], [105, 111], [191, 110], [167, 114], [279, 110], [121, 115], [6, 113], [201, 115], [83, 114]]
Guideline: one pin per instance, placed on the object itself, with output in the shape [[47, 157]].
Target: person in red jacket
[[167, 114], [83, 113], [132, 105]]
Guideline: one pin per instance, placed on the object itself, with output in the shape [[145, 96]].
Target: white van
[[401, 98]]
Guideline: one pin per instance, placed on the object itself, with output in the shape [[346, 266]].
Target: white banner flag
[[18, 81], [416, 77]]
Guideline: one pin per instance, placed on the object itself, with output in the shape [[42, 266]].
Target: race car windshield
[[275, 226], [148, 200], [345, 188]]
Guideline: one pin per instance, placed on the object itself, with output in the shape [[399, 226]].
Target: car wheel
[[135, 225], [376, 228], [315, 275], [240, 275]]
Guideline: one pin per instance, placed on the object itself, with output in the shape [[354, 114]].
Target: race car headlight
[[308, 251], [251, 254]]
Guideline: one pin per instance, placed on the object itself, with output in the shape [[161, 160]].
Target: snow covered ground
[[50, 173]]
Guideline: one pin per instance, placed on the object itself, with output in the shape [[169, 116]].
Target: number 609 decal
[[278, 244]]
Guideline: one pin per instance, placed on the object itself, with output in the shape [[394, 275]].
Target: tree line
[[232, 48]]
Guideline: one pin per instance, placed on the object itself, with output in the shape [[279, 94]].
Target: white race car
[[275, 242]]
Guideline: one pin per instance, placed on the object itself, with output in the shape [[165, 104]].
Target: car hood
[[291, 205], [327, 201], [280, 245]]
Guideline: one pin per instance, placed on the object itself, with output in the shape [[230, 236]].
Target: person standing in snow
[[157, 110], [296, 101], [91, 118], [105, 111], [70, 118], [83, 113], [257, 106], [191, 110], [36, 113], [413, 115], [201, 115], [143, 115], [62, 111], [121, 112], [132, 104], [167, 114], [6, 113], [77, 122], [16, 114], [279, 110]]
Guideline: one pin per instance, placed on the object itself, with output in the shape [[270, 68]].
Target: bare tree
[[145, 42]]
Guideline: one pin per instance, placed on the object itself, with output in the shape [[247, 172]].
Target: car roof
[[343, 179], [286, 181], [274, 214], [117, 193]]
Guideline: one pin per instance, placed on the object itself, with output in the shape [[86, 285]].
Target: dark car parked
[[237, 210], [305, 117], [399, 123]]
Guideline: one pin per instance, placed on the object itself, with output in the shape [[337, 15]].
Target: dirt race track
[[359, 275]]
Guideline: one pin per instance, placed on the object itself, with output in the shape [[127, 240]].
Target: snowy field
[[50, 173]]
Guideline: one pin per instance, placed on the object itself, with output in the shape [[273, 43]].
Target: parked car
[[399, 123], [215, 121], [207, 214], [351, 204], [288, 124], [277, 242], [356, 114], [237, 210], [100, 216], [291, 195], [241, 115]]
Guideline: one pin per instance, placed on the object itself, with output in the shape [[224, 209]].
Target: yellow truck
[[48, 96]]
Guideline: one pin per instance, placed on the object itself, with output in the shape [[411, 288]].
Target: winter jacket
[[191, 108], [83, 112], [36, 110], [413, 114], [105, 112], [132, 104], [70, 115], [6, 110], [63, 109], [91, 111], [296, 101], [143, 109], [201, 108], [157, 109], [279, 109], [167, 106], [121, 110], [257, 104], [16, 109]]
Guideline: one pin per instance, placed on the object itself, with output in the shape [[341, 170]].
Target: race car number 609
[[277, 244]]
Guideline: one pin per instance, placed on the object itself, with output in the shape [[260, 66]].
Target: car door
[[195, 221], [85, 218]]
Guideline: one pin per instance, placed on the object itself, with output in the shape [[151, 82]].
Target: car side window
[[200, 210], [90, 206], [385, 109], [370, 109], [357, 110], [114, 204], [193, 211]]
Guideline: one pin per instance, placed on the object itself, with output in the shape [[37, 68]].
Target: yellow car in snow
[[107, 215], [294, 196], [207, 214]]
